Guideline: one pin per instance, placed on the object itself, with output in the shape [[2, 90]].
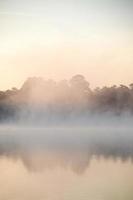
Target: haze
[[58, 39]]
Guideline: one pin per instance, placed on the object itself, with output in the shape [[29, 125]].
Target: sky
[[57, 39]]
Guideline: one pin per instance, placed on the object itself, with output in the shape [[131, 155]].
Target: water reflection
[[66, 164], [69, 148], [101, 181]]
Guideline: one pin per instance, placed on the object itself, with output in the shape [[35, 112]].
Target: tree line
[[64, 98]]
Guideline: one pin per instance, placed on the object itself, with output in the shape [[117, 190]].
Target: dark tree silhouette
[[64, 98]]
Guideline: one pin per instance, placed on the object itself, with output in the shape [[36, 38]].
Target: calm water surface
[[66, 164]]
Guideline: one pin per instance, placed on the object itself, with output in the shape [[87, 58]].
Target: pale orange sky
[[58, 39]]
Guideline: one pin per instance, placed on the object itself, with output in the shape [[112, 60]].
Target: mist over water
[[67, 121], [66, 163], [66, 141], [67, 147]]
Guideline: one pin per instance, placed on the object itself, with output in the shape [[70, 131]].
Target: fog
[[47, 123], [43, 102], [40, 148]]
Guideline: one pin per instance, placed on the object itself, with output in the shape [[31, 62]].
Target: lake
[[66, 163]]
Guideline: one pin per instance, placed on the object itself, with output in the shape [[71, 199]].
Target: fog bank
[[47, 102]]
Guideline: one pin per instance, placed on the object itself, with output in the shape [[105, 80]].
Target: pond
[[66, 163]]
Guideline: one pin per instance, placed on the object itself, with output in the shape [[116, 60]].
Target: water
[[66, 164]]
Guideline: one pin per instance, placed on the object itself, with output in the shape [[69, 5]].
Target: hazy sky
[[60, 38]]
